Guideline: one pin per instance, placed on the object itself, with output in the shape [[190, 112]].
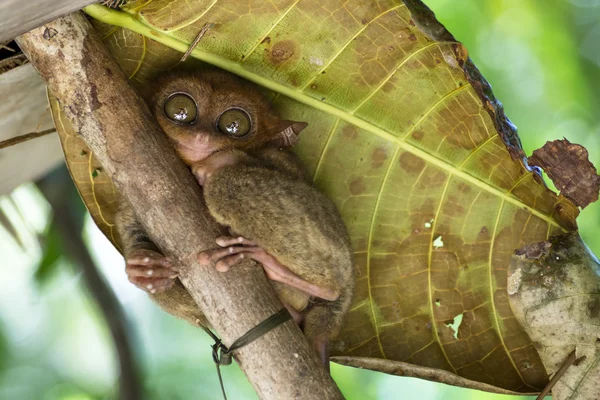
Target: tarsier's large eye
[[181, 108], [234, 122]]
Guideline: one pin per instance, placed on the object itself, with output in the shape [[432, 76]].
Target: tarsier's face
[[206, 111]]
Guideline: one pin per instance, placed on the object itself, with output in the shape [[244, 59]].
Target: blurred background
[[543, 61]]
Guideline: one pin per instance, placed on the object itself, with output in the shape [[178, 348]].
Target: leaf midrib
[[125, 20]]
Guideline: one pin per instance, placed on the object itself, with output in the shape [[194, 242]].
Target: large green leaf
[[407, 139]]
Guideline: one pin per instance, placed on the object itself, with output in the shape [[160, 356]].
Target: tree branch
[[120, 130], [23, 138]]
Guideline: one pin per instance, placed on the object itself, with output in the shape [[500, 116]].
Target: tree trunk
[[119, 128]]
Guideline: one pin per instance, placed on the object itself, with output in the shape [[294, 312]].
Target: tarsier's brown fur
[[265, 196]]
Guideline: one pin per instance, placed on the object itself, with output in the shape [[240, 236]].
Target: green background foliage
[[542, 60]]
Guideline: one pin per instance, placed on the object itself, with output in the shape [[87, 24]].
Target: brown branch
[[58, 189], [24, 138], [571, 359], [118, 127], [199, 36]]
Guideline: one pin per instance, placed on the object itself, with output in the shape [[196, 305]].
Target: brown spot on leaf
[[357, 186], [411, 164], [378, 157], [412, 37], [282, 51], [350, 132], [418, 135], [568, 166], [266, 40], [484, 233], [464, 188]]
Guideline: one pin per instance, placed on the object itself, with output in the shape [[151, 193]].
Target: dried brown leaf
[[568, 166]]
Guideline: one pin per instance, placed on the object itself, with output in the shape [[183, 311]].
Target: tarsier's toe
[[225, 241], [152, 285], [217, 255], [149, 258], [225, 263], [150, 271]]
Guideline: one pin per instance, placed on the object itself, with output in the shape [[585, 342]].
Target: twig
[[12, 62], [24, 138], [571, 359], [58, 189], [5, 47], [203, 31]]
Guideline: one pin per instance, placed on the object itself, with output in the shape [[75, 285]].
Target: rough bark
[[119, 128], [19, 16]]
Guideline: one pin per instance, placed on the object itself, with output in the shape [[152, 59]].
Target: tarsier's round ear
[[285, 133]]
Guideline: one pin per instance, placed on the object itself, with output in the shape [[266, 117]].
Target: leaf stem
[[23, 138]]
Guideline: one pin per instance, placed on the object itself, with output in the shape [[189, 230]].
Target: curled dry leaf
[[568, 166], [405, 136], [554, 289]]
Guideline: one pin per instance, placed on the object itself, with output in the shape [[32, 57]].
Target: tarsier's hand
[[235, 249], [150, 271], [204, 169]]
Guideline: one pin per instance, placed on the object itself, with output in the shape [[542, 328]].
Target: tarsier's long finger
[[280, 273], [150, 271], [150, 258], [152, 285], [225, 241], [209, 256], [225, 263]]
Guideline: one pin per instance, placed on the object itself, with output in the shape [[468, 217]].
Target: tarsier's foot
[[321, 345], [150, 271], [236, 249]]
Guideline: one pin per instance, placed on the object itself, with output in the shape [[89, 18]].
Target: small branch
[[571, 359], [203, 31], [24, 138], [95, 96], [58, 189]]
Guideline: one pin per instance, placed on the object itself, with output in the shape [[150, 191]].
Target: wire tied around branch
[[223, 356]]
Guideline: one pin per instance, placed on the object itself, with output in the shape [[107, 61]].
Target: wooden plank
[[18, 16]]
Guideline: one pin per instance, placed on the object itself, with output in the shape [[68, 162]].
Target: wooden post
[[20, 16]]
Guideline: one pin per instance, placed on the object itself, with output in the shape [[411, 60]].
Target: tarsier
[[229, 136]]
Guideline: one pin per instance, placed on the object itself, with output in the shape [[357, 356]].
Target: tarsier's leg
[[232, 253], [145, 266], [323, 321]]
